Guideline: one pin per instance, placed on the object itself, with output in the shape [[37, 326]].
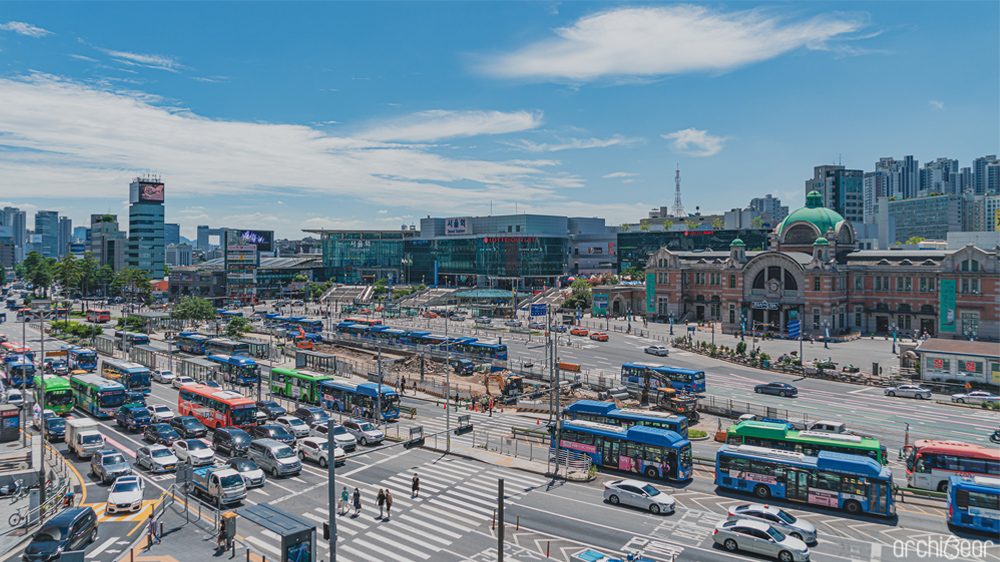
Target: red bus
[[929, 463], [217, 408], [24, 314], [364, 321], [95, 315], [11, 350]]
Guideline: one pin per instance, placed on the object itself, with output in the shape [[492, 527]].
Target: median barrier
[[537, 406], [569, 366]]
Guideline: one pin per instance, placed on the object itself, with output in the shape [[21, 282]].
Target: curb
[[705, 438]]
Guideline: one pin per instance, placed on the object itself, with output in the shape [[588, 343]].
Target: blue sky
[[287, 116]]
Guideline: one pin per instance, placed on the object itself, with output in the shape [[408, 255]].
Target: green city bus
[[809, 443], [297, 384], [55, 393]]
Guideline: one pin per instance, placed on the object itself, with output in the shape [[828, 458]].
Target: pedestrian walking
[[380, 502], [221, 543], [357, 502], [151, 531], [388, 504], [491, 406], [344, 498], [415, 487], [402, 385]]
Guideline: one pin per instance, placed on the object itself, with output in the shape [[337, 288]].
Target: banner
[[651, 292], [600, 305], [947, 313]]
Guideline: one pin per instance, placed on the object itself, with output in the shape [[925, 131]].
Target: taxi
[[599, 336], [579, 331]]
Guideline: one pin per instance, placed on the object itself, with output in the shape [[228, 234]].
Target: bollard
[[547, 545], [518, 528], [494, 526]]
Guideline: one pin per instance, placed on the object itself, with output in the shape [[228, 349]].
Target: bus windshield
[[390, 403], [59, 397], [112, 398], [244, 416], [140, 379]]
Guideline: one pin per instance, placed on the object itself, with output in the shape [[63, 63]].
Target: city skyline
[[351, 115]]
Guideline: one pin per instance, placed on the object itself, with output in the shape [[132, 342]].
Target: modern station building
[[813, 273]]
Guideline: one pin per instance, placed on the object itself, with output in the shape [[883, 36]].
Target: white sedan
[[125, 495], [163, 376], [293, 425], [160, 413], [197, 450], [975, 397], [638, 494], [156, 458], [318, 449], [181, 381], [660, 350], [909, 391]]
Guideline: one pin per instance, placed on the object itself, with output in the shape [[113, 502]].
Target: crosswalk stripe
[[517, 480], [397, 546], [453, 504], [443, 517], [363, 556], [383, 552], [401, 481], [477, 494], [419, 533], [470, 502], [395, 529], [263, 545], [354, 522], [448, 468], [434, 528]]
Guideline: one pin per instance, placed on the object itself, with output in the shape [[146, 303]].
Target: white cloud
[[650, 42], [383, 211], [619, 175], [81, 57], [161, 62], [695, 142], [937, 104], [65, 135], [429, 126], [22, 28], [573, 144]]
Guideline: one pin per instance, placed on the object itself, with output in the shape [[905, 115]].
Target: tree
[[68, 272], [104, 277], [300, 278], [19, 270], [193, 308], [88, 273], [757, 222], [581, 295], [691, 224], [39, 271], [381, 286], [644, 227], [237, 326], [626, 228], [718, 224], [915, 240], [132, 282], [3, 275], [632, 271]]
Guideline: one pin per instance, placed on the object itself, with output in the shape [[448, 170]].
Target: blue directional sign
[[538, 309], [793, 328]]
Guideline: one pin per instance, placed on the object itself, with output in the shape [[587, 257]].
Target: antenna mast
[[678, 207]]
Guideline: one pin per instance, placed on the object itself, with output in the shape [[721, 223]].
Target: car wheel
[[652, 473], [274, 473], [93, 537], [364, 441], [853, 507], [798, 536], [322, 462], [730, 545], [782, 394], [654, 509], [785, 556], [613, 499], [758, 391], [960, 400], [891, 393], [302, 456], [919, 397], [762, 491]]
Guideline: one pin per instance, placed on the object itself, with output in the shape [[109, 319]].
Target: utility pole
[[331, 495], [447, 389], [500, 530], [378, 393]]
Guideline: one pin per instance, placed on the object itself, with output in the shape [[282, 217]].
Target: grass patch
[[696, 433]]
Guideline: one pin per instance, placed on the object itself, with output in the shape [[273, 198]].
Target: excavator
[[669, 400], [510, 386], [301, 341]]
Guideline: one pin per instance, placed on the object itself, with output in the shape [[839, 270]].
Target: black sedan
[[271, 408], [160, 433], [188, 426], [779, 388]]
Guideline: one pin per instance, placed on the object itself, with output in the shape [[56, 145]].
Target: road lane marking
[[860, 390], [104, 545]]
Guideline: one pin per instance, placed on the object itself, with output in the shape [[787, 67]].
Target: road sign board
[[691, 328], [538, 309], [793, 328]]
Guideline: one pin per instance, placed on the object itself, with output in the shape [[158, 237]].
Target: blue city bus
[[132, 339], [133, 376], [482, 350], [80, 358], [192, 342], [237, 370], [228, 313], [974, 503], [606, 412], [96, 395], [352, 329], [360, 399], [387, 334], [661, 376], [19, 372], [225, 346], [426, 338], [654, 452], [855, 483], [308, 325]]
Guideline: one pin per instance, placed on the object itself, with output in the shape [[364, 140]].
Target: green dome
[[814, 212], [821, 242], [737, 242]]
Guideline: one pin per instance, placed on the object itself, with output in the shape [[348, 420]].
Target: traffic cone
[[537, 422]]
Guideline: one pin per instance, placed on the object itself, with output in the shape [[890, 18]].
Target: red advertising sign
[[970, 366], [939, 363]]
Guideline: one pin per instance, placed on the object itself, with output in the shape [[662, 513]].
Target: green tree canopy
[[193, 308], [237, 326], [132, 282], [581, 295], [39, 271]]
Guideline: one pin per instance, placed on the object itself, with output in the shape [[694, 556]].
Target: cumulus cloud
[[573, 144], [649, 42], [69, 137], [22, 28], [619, 175], [695, 142], [429, 126]]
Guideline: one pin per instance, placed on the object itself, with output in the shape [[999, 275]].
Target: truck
[[462, 366], [669, 400], [221, 485], [83, 438]]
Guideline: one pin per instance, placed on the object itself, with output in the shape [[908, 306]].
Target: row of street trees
[[83, 275]]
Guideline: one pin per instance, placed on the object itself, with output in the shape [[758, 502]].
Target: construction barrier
[[569, 367]]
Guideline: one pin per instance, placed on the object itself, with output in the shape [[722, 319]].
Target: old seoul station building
[[814, 274]]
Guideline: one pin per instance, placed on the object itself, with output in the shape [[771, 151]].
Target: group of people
[[383, 500]]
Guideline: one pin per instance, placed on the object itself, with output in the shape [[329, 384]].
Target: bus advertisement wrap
[[946, 321]]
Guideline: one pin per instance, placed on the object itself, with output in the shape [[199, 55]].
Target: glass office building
[[146, 250], [357, 257]]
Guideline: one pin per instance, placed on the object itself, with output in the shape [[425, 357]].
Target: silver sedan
[[638, 494], [909, 391], [760, 538], [975, 397]]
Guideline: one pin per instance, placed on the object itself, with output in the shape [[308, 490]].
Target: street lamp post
[[892, 328], [825, 324]]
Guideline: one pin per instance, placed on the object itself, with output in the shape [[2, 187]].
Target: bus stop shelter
[[144, 355], [298, 536], [155, 321], [105, 345], [315, 361]]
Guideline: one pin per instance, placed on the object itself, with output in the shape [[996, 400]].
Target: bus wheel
[[852, 507], [943, 486], [652, 473], [762, 491]]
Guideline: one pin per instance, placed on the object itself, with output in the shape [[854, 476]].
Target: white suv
[[341, 437], [163, 376], [293, 425], [365, 432]]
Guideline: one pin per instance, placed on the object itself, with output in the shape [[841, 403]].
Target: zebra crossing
[[497, 425], [456, 497]]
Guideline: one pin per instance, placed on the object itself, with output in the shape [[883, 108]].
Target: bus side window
[[922, 466], [724, 464], [962, 499]]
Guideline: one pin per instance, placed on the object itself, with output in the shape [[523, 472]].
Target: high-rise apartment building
[[108, 242], [841, 189], [980, 174], [899, 179], [47, 228], [171, 234], [939, 177], [17, 220], [770, 205], [65, 235], [145, 226]]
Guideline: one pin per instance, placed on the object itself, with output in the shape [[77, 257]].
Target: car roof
[[756, 507], [629, 482], [753, 523], [125, 479], [156, 447]]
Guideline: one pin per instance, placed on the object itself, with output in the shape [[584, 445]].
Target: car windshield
[[167, 373], [295, 422], [775, 534], [650, 491], [324, 446], [365, 426], [339, 430], [125, 487], [57, 423], [268, 404], [278, 431], [157, 453], [52, 533], [785, 516], [240, 437], [231, 480], [113, 459], [191, 423], [161, 409], [283, 453], [90, 439], [244, 465]]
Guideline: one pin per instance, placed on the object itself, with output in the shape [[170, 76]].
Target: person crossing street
[[415, 487], [380, 502]]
